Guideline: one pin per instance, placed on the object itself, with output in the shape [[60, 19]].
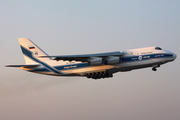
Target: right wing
[[85, 57]]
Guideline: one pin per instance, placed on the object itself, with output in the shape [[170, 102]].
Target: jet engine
[[112, 60], [96, 61]]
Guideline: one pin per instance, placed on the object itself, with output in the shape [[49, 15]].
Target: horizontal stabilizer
[[24, 66]]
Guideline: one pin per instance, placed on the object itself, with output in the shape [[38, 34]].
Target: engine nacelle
[[96, 61], [112, 60]]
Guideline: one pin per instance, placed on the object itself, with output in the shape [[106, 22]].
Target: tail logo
[[35, 53]]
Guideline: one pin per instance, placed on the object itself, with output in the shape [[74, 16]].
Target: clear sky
[[63, 27]]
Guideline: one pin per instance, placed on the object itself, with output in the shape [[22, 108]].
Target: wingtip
[[8, 66], [42, 56]]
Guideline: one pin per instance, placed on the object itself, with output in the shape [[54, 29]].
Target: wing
[[85, 57]]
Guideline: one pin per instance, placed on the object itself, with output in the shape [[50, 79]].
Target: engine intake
[[96, 61], [112, 60]]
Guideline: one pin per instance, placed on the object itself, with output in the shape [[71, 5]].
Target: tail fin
[[31, 51]]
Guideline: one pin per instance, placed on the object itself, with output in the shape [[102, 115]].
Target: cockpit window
[[158, 48]]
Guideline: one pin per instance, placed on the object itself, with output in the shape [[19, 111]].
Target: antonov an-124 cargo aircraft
[[95, 66]]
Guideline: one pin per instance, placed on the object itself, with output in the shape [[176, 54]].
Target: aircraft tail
[[31, 51]]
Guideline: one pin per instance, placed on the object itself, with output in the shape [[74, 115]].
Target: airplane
[[95, 66]]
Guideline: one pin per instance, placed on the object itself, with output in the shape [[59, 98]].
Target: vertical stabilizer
[[31, 51]]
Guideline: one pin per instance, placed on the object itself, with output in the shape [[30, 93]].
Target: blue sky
[[77, 27]]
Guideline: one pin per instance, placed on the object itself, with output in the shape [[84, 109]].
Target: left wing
[[85, 57]]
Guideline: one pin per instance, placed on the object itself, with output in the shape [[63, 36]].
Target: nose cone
[[174, 56]]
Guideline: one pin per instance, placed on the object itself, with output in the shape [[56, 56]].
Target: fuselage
[[132, 59]]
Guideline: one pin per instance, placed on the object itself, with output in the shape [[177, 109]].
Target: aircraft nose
[[174, 56]]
